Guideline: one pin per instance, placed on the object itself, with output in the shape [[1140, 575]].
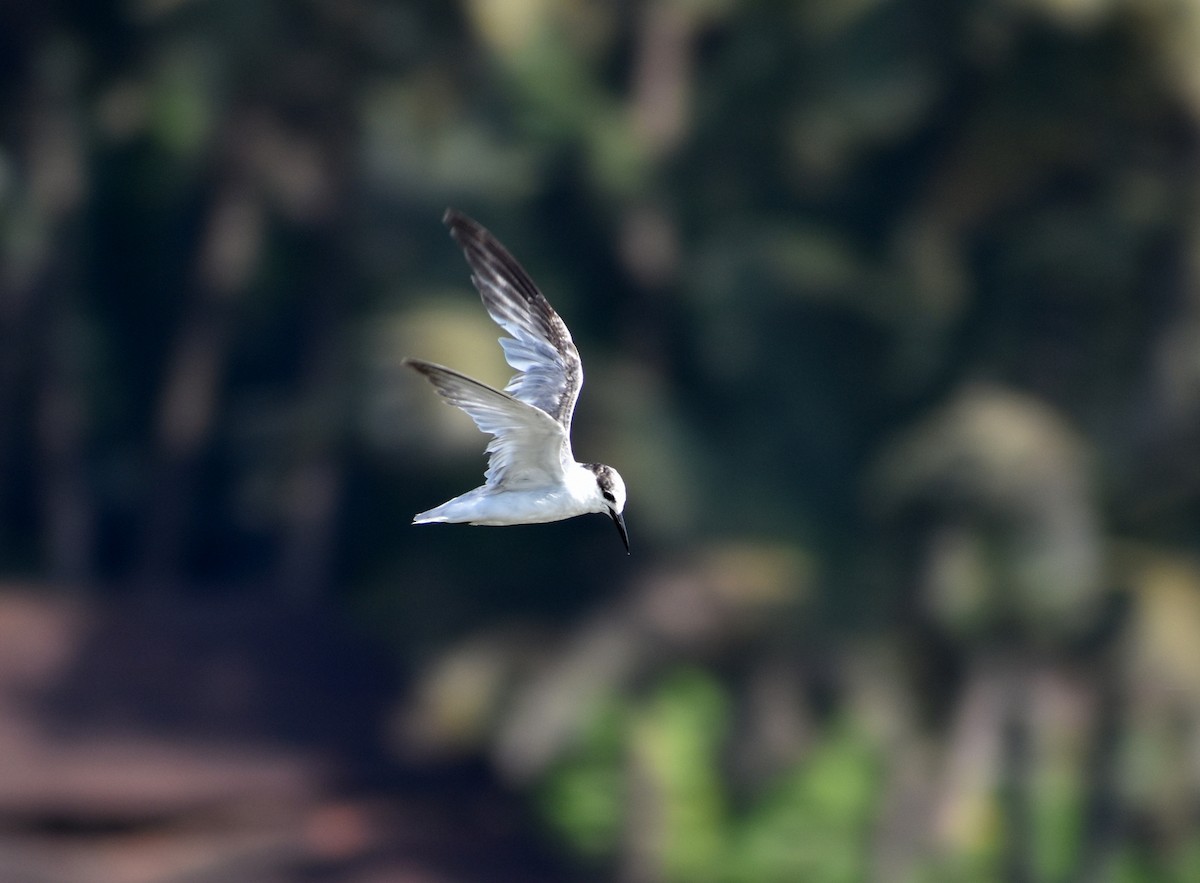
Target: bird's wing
[[528, 445], [549, 373]]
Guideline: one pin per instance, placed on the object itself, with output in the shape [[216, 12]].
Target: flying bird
[[532, 476]]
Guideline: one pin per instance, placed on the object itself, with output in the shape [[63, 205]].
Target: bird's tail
[[461, 509], [432, 516]]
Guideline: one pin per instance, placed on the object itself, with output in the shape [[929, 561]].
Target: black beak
[[619, 521]]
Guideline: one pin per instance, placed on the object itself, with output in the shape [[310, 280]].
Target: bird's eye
[[608, 496]]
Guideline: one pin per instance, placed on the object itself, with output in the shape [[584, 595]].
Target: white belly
[[490, 507]]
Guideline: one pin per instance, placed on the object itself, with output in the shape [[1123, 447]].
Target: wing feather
[[527, 448], [549, 373]]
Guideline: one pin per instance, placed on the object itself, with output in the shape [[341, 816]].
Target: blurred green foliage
[[813, 822]]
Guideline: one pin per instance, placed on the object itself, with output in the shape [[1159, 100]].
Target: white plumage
[[532, 475]]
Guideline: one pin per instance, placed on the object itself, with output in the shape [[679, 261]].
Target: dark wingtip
[[468, 232], [460, 223], [485, 254], [419, 365]]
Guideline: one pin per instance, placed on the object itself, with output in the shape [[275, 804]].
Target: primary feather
[[549, 371]]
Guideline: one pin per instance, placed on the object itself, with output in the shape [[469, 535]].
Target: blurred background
[[891, 317]]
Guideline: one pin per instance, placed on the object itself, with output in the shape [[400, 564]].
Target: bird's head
[[612, 495]]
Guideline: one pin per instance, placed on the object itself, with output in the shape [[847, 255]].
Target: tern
[[532, 476]]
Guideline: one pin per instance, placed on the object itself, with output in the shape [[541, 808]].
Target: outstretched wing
[[549, 373], [528, 445]]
